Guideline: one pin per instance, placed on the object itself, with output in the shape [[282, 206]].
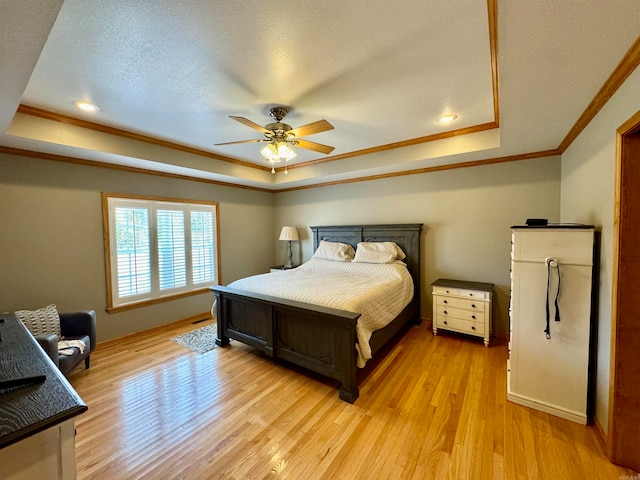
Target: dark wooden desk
[[29, 410]]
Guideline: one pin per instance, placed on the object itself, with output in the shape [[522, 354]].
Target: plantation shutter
[[158, 248], [202, 247], [133, 259], [172, 256]]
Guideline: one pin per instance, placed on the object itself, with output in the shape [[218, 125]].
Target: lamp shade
[[276, 151], [289, 233], [285, 152], [270, 152]]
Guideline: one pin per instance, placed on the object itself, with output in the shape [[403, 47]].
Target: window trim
[[111, 308]]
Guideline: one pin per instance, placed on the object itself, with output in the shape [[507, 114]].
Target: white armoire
[[550, 310]]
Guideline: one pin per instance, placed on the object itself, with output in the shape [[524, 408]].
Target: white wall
[[51, 239], [467, 215], [588, 189]]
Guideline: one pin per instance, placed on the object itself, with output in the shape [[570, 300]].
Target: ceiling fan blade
[[316, 147], [249, 123], [239, 141], [311, 128]]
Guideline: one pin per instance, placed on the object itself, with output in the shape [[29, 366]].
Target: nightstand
[[463, 307], [279, 268]]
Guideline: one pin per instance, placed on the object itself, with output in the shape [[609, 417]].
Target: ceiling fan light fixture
[[275, 152], [448, 118], [285, 152], [270, 152]]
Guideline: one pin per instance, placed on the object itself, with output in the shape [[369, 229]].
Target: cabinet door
[[550, 371], [48, 455]]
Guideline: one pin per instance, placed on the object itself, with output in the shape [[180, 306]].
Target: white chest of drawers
[[463, 307]]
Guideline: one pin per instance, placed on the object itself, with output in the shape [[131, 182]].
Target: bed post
[[349, 391], [221, 340]]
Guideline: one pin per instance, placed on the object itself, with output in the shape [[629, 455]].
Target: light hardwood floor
[[434, 407]]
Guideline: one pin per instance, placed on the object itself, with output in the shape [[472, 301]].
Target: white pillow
[[378, 252], [44, 321], [336, 251]]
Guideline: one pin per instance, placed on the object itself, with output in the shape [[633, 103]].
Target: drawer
[[461, 313], [567, 245], [459, 292], [459, 325], [471, 304]]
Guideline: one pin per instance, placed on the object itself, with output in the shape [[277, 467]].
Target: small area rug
[[200, 341]]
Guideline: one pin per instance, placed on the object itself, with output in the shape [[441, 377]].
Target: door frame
[[623, 435]]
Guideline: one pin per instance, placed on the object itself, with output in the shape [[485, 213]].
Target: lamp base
[[289, 263]]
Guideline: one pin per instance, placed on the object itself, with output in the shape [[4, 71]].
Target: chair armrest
[[49, 344], [77, 324]]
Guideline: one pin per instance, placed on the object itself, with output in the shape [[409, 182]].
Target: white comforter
[[378, 292]]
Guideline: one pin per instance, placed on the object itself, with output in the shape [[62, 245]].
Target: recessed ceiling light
[[450, 117], [86, 106]]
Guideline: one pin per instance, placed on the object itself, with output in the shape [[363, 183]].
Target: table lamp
[[289, 234]]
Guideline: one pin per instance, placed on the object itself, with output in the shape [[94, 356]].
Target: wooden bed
[[318, 338]]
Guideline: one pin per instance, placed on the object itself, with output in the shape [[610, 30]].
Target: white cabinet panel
[[551, 374]]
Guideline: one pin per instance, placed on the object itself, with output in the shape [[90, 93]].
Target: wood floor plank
[[432, 408]]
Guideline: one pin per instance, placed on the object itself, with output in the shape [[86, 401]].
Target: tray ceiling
[[167, 75]]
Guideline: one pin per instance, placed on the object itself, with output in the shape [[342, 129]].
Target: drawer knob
[[473, 316], [445, 322], [473, 327], [473, 305], [445, 312], [447, 291], [444, 301]]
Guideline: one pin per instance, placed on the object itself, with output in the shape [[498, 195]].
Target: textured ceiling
[[167, 75]]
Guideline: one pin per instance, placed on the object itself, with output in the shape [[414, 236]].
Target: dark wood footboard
[[317, 338]]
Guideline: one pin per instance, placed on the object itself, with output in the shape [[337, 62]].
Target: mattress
[[379, 292]]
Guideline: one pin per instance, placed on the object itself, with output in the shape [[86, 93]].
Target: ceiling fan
[[280, 137]]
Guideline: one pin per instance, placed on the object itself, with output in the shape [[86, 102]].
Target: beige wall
[[51, 240], [467, 215], [588, 189]]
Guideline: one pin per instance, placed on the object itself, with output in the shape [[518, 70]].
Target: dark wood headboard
[[407, 236]]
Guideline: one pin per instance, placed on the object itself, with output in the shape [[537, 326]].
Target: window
[[157, 249]]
